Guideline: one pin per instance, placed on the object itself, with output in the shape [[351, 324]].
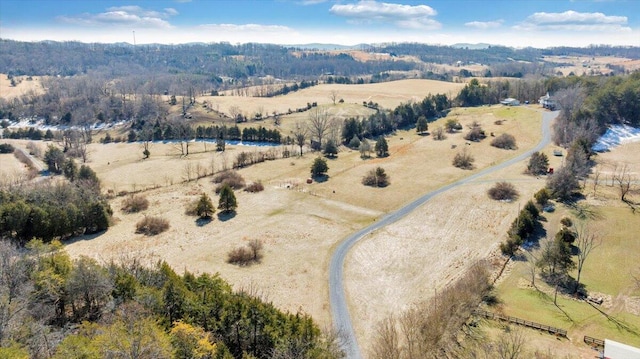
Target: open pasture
[[386, 94], [299, 222]]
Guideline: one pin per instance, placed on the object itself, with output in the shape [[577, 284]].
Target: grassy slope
[[608, 270]]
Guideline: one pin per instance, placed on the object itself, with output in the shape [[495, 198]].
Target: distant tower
[[134, 38]]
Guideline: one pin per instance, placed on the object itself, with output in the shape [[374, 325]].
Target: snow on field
[[615, 136]]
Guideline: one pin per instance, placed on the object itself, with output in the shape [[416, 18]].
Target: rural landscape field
[[246, 200]]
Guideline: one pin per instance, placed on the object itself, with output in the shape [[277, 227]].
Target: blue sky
[[518, 23]]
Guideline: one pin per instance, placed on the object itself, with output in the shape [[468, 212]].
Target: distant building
[[510, 102], [548, 102], [615, 350]]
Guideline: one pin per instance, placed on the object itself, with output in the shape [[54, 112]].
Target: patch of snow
[[39, 123], [615, 136]]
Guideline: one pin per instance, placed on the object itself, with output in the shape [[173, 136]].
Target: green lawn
[[607, 270]]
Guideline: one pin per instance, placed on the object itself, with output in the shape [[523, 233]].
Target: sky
[[516, 23]]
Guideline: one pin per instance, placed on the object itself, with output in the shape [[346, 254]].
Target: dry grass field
[[584, 64], [299, 222], [387, 95], [23, 86], [10, 168]]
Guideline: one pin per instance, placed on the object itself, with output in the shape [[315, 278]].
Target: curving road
[[337, 297]]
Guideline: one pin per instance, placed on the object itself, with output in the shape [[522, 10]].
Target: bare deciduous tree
[[510, 345], [234, 112], [586, 241], [146, 136], [387, 344], [184, 135], [300, 134], [187, 171], [13, 282], [333, 95], [596, 179], [319, 123], [570, 100], [623, 179]]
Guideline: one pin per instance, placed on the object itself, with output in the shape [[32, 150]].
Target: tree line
[[404, 115], [180, 130]]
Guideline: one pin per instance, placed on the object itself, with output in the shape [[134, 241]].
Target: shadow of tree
[[225, 216], [584, 211], [618, 323], [200, 222], [321, 178]]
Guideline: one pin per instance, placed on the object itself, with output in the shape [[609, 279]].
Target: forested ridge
[[246, 60], [212, 61]]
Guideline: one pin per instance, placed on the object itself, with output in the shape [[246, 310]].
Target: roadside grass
[[608, 270]]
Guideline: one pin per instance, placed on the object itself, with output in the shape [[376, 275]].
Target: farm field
[[387, 95], [580, 64], [298, 222], [22, 87]]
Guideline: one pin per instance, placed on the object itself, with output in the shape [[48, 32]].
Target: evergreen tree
[[227, 202], [330, 149], [354, 143], [422, 125], [54, 158], [205, 208], [538, 164], [382, 147], [70, 169], [319, 167]]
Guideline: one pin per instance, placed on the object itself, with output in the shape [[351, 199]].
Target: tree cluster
[[30, 133], [145, 311], [293, 88], [376, 178], [521, 229], [404, 115], [54, 211]]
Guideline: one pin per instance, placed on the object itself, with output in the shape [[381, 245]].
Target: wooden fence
[[594, 341], [526, 323]]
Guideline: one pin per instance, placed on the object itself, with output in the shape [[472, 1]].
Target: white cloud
[[574, 21], [404, 16], [171, 11], [130, 16], [484, 25]]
